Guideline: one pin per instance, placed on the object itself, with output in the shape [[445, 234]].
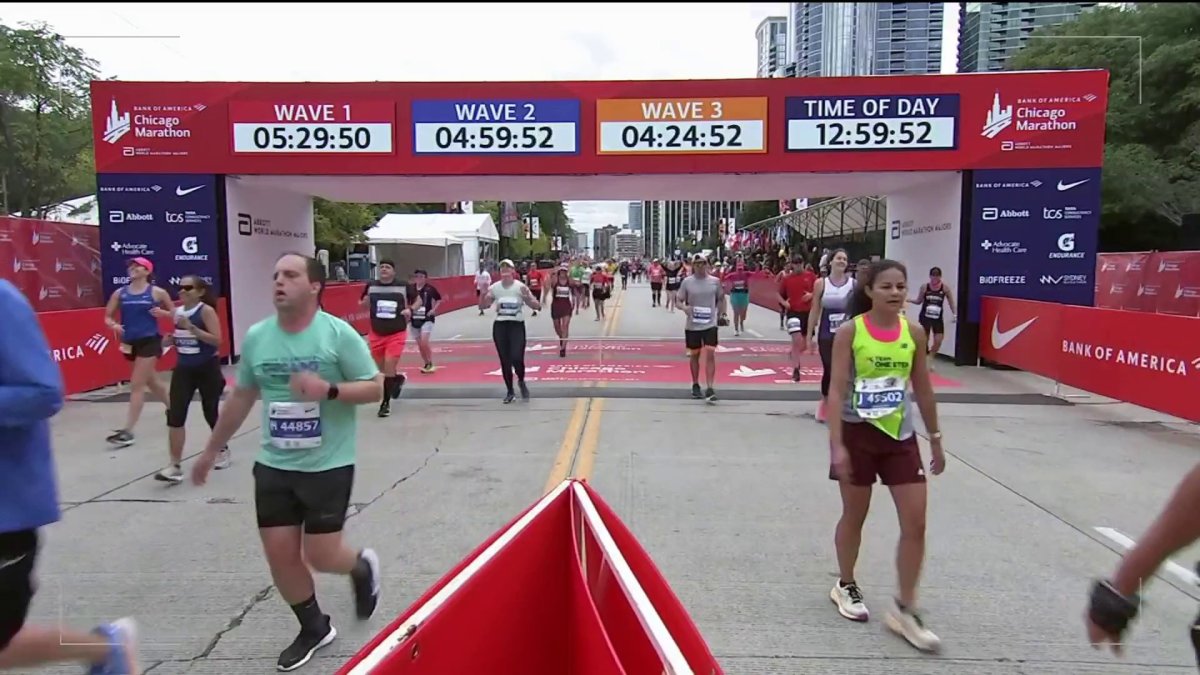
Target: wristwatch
[[333, 392]]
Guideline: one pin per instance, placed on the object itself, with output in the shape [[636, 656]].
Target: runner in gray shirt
[[702, 297]]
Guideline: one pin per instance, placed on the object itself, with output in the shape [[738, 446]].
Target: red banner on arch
[[564, 589], [1166, 282]]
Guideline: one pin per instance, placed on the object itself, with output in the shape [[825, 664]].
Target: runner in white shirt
[[482, 281]]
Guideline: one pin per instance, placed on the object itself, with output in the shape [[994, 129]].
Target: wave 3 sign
[[169, 218], [1034, 235]]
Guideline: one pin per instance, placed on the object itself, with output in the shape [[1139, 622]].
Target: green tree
[[339, 225], [753, 212], [45, 119], [1152, 148]]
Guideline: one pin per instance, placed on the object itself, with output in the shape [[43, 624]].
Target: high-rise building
[[602, 242], [627, 245], [772, 46], [635, 216], [667, 225], [990, 32], [581, 243], [831, 39]]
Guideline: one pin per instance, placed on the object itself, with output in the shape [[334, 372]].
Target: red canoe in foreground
[[564, 589]]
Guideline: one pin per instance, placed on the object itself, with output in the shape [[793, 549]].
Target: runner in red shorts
[[876, 356], [389, 300]]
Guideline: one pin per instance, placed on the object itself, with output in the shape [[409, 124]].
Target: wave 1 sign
[[171, 219], [1034, 235]]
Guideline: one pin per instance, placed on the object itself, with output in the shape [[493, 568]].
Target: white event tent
[[443, 244]]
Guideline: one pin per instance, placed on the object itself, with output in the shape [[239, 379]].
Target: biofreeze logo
[[1127, 357], [1001, 280]]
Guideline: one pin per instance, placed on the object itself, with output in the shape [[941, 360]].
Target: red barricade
[[56, 265], [1151, 360], [1165, 282], [563, 589], [88, 353], [345, 300]]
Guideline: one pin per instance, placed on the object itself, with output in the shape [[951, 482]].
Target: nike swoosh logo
[[14, 561], [179, 191], [1000, 339], [1068, 186]]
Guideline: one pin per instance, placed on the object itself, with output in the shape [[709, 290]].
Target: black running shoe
[[696, 393], [304, 646], [795, 374], [710, 395], [510, 397], [385, 408], [364, 580], [401, 379], [524, 391], [121, 439]]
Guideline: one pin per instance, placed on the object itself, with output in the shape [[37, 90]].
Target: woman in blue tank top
[[140, 302], [197, 338]]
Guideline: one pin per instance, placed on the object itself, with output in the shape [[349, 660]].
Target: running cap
[[507, 263], [420, 272], [144, 262], [699, 257]]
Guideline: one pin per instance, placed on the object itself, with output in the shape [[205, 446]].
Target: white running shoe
[[222, 459], [849, 601], [171, 474], [908, 625]]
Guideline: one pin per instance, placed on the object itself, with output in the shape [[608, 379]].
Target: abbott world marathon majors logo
[[1170, 364], [1035, 114], [248, 226]]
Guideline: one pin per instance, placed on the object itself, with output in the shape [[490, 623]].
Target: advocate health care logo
[[148, 123], [1035, 114]]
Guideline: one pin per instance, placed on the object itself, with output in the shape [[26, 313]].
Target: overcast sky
[[420, 42]]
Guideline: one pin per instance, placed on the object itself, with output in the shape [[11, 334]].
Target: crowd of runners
[[311, 370]]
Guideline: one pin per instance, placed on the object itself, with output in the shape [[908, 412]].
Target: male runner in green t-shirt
[[311, 370]]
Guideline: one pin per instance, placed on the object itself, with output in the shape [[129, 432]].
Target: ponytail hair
[[206, 295], [860, 302]]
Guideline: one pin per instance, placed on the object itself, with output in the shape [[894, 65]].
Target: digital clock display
[[312, 128], [681, 126], [496, 127], [833, 123]]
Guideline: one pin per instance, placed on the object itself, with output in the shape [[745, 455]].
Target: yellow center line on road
[[577, 453]]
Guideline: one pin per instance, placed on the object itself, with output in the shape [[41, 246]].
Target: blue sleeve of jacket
[[31, 385]]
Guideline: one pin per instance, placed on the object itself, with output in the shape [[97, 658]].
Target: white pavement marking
[[744, 371], [455, 337], [754, 333], [1182, 573]]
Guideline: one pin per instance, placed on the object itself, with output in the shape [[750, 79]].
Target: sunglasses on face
[[187, 287]]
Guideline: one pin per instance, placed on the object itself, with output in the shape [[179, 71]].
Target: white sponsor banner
[[923, 231], [263, 225]]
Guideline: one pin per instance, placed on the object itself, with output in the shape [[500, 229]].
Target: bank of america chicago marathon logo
[[1032, 114], [97, 344], [147, 121]]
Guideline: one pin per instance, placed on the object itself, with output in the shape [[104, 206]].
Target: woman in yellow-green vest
[[878, 369]]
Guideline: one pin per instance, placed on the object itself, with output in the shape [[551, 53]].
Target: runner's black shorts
[[656, 285], [802, 316], [144, 348], [933, 326], [317, 500], [18, 554], [696, 339]]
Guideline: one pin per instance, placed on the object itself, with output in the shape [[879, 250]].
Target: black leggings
[[185, 382], [825, 347], [509, 337]]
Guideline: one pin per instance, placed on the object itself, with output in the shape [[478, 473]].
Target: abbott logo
[[998, 118], [117, 125], [190, 245], [245, 224], [991, 213]]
